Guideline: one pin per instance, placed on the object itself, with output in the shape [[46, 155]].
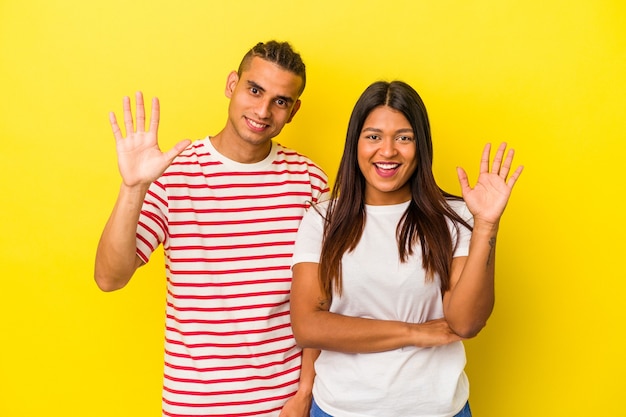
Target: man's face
[[262, 101]]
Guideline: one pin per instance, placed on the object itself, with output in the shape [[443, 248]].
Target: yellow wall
[[547, 76]]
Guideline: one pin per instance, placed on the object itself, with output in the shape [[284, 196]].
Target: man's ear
[[295, 109], [231, 83]]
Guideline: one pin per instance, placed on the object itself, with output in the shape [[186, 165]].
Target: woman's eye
[[405, 138]]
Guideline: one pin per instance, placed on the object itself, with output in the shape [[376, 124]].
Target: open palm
[[488, 198], [140, 160]]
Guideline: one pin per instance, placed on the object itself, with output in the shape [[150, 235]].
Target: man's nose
[[264, 109]]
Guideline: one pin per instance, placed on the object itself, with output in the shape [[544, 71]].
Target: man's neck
[[235, 149]]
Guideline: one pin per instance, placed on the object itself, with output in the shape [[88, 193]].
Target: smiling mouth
[[256, 125], [386, 166], [386, 169]]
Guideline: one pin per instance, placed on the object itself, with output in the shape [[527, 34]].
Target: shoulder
[[292, 156], [197, 149], [312, 224], [193, 160], [460, 208], [321, 208], [316, 211], [457, 204]]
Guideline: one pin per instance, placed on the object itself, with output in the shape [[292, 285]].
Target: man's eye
[[254, 90], [281, 102]]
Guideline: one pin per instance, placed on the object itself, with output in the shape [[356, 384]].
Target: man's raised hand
[[139, 157]]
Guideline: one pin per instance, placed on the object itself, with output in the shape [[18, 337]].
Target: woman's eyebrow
[[377, 130]]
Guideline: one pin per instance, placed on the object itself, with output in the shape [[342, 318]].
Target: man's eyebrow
[[255, 85], [252, 84]]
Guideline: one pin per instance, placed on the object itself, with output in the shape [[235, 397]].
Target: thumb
[[177, 149], [463, 181]]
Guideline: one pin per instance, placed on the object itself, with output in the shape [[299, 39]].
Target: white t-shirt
[[404, 382]]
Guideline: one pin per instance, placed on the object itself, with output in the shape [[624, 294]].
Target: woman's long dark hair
[[424, 220]]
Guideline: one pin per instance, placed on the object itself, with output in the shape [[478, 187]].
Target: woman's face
[[387, 156]]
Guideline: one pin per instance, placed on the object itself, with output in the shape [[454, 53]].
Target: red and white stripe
[[228, 232]]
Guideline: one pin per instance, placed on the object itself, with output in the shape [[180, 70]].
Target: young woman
[[393, 273]]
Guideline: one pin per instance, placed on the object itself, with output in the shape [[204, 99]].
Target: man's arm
[[140, 162], [116, 258]]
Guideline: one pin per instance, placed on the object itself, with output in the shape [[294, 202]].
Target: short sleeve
[[463, 233], [308, 246], [152, 222]]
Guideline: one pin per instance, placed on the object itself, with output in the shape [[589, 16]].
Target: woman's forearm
[[470, 300], [314, 326]]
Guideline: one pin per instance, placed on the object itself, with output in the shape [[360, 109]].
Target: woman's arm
[[470, 299], [314, 326]]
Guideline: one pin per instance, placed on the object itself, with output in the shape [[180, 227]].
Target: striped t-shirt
[[228, 231]]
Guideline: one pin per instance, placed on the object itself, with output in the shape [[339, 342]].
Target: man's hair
[[279, 53]]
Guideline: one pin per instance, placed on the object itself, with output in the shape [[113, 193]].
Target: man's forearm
[[116, 259]]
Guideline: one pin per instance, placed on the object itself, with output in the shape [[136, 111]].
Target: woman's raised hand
[[139, 157], [488, 198]]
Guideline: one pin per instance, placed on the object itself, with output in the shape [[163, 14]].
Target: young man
[[226, 210]]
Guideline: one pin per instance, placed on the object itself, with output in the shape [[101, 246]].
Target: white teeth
[[387, 166], [255, 124]]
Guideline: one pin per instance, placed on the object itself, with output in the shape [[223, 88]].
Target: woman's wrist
[[483, 227]]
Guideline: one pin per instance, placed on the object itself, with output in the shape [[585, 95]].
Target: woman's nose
[[387, 147]]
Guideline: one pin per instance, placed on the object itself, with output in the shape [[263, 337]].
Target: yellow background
[[546, 76]]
